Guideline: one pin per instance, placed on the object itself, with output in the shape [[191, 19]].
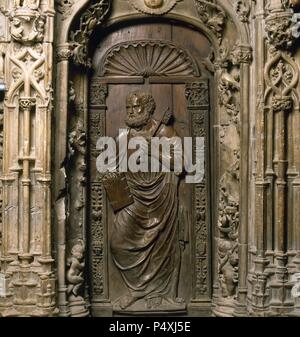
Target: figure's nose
[[130, 111]]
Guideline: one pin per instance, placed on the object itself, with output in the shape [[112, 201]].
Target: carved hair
[[79, 247], [146, 99]]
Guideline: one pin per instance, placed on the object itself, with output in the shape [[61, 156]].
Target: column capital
[[64, 52], [27, 103]]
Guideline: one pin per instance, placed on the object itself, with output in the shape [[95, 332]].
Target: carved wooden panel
[[97, 204], [254, 112], [197, 96], [169, 70]]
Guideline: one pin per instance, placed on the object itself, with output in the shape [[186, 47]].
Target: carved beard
[[137, 121]]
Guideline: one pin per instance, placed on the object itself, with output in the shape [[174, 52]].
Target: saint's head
[[140, 107]]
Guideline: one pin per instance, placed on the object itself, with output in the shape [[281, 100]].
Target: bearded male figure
[[145, 244]]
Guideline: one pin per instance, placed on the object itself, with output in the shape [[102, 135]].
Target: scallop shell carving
[[148, 58]]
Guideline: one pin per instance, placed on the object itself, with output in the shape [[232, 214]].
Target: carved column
[[231, 237], [243, 57], [276, 171], [26, 104], [63, 55], [262, 175], [26, 253]]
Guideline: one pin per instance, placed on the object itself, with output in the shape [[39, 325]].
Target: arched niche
[[226, 67]]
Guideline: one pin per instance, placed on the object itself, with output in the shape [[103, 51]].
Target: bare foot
[[126, 301]]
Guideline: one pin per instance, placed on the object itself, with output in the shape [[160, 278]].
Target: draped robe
[[144, 243]]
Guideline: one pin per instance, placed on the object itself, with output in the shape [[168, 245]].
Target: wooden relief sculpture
[[144, 244], [230, 70], [148, 58]]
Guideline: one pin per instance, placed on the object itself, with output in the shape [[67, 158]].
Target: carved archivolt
[[90, 19], [148, 58], [213, 16], [152, 58]]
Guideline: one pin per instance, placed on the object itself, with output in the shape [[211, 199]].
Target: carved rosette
[[197, 104]]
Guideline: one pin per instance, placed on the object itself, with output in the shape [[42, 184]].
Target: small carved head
[[234, 256], [78, 251], [16, 21], [140, 107], [40, 23]]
